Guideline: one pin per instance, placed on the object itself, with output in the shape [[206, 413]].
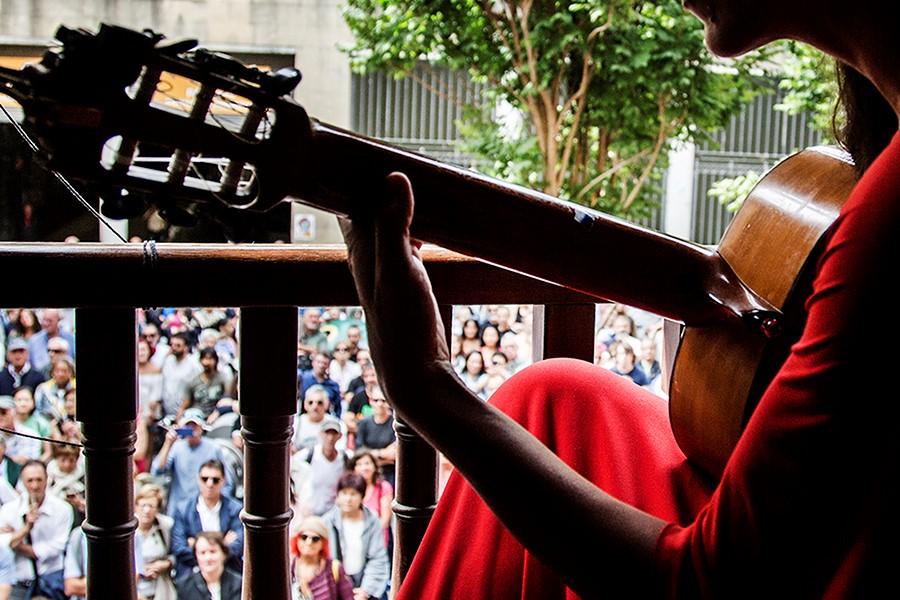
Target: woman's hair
[[350, 480], [486, 327], [150, 491], [213, 537], [477, 329], [869, 120], [363, 452], [466, 363]]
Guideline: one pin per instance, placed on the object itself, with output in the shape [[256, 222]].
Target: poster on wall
[[304, 227]]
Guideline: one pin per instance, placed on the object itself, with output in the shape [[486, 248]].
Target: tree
[[602, 86]]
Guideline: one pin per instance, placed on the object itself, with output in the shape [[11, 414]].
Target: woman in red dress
[[805, 506]]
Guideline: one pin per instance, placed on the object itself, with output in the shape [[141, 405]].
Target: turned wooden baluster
[[268, 403], [107, 409]]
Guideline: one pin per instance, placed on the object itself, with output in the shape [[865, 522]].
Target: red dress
[[805, 506]]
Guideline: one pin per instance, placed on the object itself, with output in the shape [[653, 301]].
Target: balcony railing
[[105, 283]]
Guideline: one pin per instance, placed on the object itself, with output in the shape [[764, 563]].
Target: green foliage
[[732, 191], [603, 85], [808, 77]]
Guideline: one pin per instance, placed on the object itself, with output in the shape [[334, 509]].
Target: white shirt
[[353, 553], [209, 517], [49, 535]]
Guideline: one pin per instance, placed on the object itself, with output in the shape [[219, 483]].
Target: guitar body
[[773, 245]]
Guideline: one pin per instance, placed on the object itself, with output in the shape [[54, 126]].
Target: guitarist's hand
[[401, 312]]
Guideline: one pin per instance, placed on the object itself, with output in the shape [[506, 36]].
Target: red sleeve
[[804, 507]]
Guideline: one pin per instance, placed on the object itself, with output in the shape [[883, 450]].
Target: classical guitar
[[94, 105]]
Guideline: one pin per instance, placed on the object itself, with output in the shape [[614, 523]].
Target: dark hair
[[352, 481], [466, 363], [213, 463], [869, 121], [477, 327], [363, 453], [213, 537], [184, 337], [209, 352], [35, 463], [485, 328]]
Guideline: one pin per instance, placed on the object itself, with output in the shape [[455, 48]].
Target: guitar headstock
[[101, 109]]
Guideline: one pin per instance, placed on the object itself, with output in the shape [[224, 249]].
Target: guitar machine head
[[103, 111]]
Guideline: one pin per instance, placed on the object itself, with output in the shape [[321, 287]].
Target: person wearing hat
[[181, 455], [18, 371], [315, 575], [327, 463]]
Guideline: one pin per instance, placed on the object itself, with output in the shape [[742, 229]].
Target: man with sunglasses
[[207, 510]]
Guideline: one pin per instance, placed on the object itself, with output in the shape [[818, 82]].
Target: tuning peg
[[284, 80]]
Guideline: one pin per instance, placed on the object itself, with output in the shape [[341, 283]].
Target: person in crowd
[[212, 579], [623, 355], [474, 374], [23, 324], [359, 403], [209, 390], [355, 342], [623, 330], [509, 345], [497, 365], [40, 524], [153, 546], [648, 364], [357, 384], [75, 565], [315, 574], [318, 375], [209, 338], [490, 342], [9, 475], [379, 494], [19, 448], [150, 383], [50, 395], [181, 455], [38, 343], [311, 339], [27, 416], [65, 469], [376, 432], [18, 371], [308, 424], [159, 348], [493, 384], [179, 369], [326, 463], [471, 337], [57, 347], [342, 370], [357, 539], [504, 320], [69, 429], [206, 317], [207, 510]]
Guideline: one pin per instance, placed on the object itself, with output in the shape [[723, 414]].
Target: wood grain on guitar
[[95, 108]]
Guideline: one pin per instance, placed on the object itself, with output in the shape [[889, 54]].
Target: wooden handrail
[[90, 274]]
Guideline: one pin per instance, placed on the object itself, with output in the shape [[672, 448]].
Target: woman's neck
[[310, 560]]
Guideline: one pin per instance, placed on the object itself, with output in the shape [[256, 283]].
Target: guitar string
[[65, 182]]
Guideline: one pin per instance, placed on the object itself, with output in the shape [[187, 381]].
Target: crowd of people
[[188, 456]]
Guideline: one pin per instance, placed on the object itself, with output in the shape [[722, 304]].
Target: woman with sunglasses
[[805, 507], [316, 575]]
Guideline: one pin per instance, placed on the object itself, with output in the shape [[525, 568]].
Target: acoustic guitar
[[94, 106]]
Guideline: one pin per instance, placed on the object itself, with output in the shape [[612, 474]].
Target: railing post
[[417, 487], [563, 330], [107, 409], [268, 402]]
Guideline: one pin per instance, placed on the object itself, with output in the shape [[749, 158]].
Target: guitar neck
[[530, 232]]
